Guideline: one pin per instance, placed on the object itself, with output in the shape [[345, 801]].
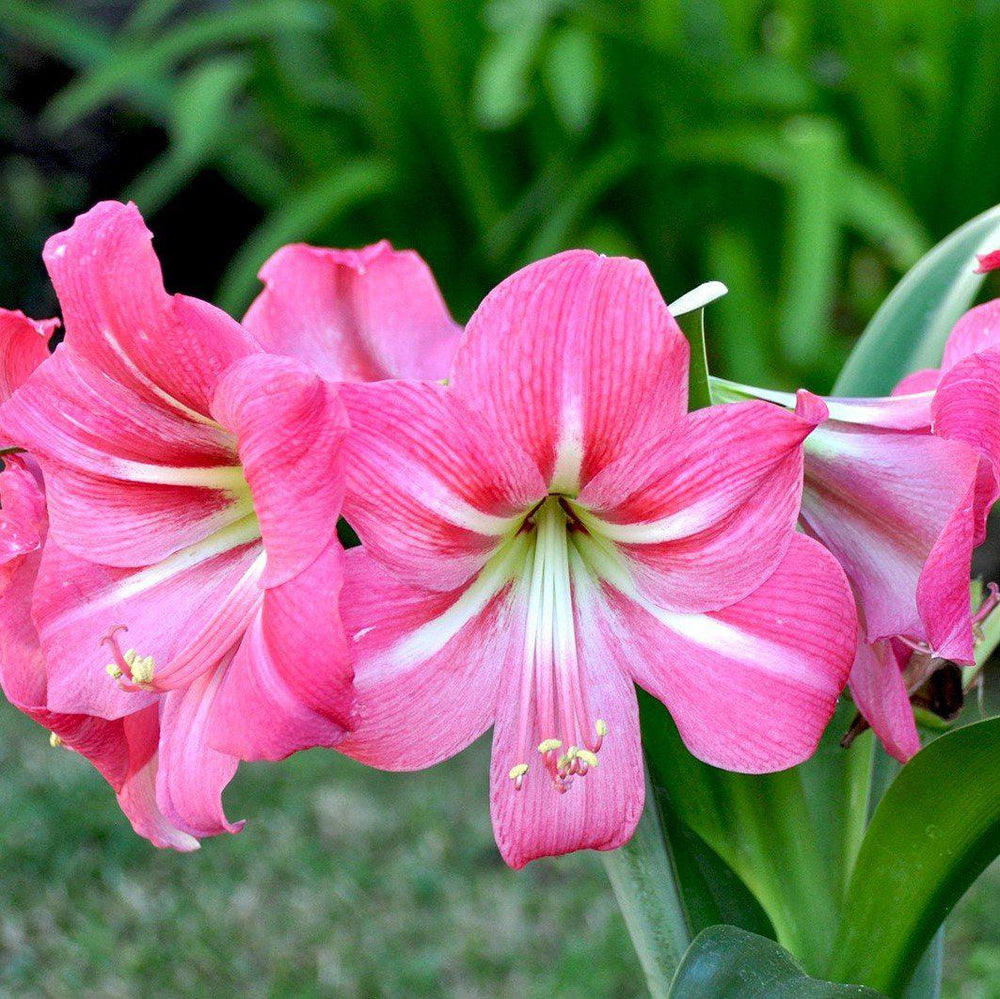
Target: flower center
[[553, 703]]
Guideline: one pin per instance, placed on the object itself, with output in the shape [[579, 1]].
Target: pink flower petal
[[918, 383], [289, 686], [570, 359], [191, 776], [290, 424], [123, 751], [429, 490], [186, 612], [427, 665], [880, 501], [988, 262], [706, 512], [751, 687], [23, 522], [976, 331], [354, 315], [137, 799], [599, 811], [967, 409], [880, 695], [129, 481], [24, 344], [169, 350]]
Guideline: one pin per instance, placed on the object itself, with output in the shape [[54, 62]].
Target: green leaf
[[910, 329], [572, 73], [501, 92], [812, 246], [934, 832], [133, 63], [725, 962], [202, 111]]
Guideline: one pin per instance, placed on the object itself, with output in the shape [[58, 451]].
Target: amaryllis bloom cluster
[[544, 525], [551, 526], [193, 488], [899, 489]]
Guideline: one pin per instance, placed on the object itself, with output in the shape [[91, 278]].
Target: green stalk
[[786, 867], [645, 885]]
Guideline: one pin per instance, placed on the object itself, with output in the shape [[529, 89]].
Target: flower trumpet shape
[[124, 750], [193, 488], [899, 489], [551, 526]]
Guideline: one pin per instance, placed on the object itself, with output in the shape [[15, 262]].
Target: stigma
[[129, 669], [553, 701]]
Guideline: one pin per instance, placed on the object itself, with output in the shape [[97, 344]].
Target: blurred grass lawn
[[346, 882]]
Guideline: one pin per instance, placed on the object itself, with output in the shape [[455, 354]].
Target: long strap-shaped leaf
[[934, 832], [725, 962]]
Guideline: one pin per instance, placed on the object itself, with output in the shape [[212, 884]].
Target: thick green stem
[[642, 876]]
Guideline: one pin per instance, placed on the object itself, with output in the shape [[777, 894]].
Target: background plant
[[806, 153]]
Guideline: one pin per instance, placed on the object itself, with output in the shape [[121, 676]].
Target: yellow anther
[[141, 667], [54, 741], [600, 727], [114, 671], [547, 745], [567, 758], [588, 757], [519, 771]]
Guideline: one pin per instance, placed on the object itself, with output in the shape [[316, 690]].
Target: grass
[[346, 882]]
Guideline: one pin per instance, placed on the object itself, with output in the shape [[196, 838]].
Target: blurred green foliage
[[346, 882], [805, 152]]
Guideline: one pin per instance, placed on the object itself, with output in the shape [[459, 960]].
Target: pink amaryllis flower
[[124, 750], [354, 315], [193, 489], [551, 526], [899, 489]]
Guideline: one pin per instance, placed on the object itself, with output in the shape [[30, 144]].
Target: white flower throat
[[553, 703]]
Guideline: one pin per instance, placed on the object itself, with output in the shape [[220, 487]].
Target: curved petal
[[186, 613], [988, 262], [967, 409], [879, 693], [428, 490], [23, 522], [707, 512], [918, 383], [751, 687], [289, 686], [880, 501], [289, 424], [428, 664], [191, 776], [354, 315], [571, 358], [169, 350], [24, 344], [598, 811], [129, 482], [137, 799], [977, 331]]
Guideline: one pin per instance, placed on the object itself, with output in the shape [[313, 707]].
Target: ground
[[346, 882]]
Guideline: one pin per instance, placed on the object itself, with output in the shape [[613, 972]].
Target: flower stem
[[645, 885]]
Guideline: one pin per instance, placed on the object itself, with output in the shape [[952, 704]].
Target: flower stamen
[[129, 669]]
